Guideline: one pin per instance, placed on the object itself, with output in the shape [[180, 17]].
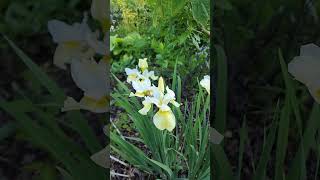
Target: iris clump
[[159, 96]]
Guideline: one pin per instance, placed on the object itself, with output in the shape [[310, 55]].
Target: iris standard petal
[[169, 96], [161, 85]]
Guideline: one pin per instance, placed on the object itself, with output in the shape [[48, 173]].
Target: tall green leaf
[[50, 85]]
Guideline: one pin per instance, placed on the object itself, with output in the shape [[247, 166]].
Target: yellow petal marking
[[317, 93], [132, 77], [91, 102], [72, 44]]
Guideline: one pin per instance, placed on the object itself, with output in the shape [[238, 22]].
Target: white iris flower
[[133, 74], [164, 118], [136, 75], [142, 87], [306, 69], [75, 41], [205, 82]]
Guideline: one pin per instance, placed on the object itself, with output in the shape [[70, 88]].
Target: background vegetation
[[165, 32], [270, 120], [37, 141]]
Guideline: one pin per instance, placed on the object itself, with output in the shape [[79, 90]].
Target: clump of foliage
[[263, 103], [164, 31]]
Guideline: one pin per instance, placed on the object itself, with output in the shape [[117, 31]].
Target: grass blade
[[51, 86], [221, 92], [282, 141]]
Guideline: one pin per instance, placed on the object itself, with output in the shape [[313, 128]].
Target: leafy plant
[[164, 31]]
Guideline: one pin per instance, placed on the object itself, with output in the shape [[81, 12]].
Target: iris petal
[[164, 120], [146, 108]]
